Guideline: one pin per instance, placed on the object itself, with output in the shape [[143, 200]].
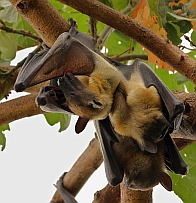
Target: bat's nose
[[41, 101]]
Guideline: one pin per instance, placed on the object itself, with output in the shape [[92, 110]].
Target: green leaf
[[24, 41], [193, 36], [117, 43], [181, 17], [168, 79], [108, 3], [180, 79], [8, 45], [119, 4], [9, 14], [185, 26], [59, 6], [172, 34], [2, 135], [54, 118], [184, 187], [162, 8]]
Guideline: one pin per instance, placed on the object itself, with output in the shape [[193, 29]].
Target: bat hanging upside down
[[133, 111]]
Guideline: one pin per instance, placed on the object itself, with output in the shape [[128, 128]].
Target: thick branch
[[80, 172], [163, 49], [135, 196], [18, 108], [47, 22], [108, 194]]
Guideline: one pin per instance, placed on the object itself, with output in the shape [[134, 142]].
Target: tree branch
[[108, 194], [48, 27], [80, 172], [163, 49], [18, 108], [135, 196]]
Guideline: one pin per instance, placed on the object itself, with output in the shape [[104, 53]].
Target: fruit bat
[[123, 157], [66, 196], [139, 105]]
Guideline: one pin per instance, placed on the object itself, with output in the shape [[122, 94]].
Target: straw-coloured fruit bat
[[123, 157], [133, 110]]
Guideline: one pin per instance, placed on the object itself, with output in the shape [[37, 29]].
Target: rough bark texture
[[42, 16], [19, 108], [80, 172], [135, 196], [163, 49], [108, 194], [188, 125]]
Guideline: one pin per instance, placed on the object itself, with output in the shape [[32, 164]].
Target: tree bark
[[163, 49], [19, 108], [43, 17], [135, 196], [108, 194]]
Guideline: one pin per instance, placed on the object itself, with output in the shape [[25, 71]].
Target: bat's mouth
[[52, 99]]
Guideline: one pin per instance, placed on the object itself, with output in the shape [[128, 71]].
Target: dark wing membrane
[[54, 62], [106, 136], [173, 159], [173, 106], [28, 70]]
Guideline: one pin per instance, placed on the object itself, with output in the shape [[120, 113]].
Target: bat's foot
[[70, 85]]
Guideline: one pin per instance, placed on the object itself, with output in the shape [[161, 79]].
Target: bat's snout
[[19, 87]]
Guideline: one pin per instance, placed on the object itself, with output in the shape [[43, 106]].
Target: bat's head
[[139, 180], [81, 100], [142, 171]]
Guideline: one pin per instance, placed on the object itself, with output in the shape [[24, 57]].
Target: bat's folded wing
[[106, 136]]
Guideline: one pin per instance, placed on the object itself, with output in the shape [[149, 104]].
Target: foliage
[[2, 136], [54, 118], [184, 187], [169, 19]]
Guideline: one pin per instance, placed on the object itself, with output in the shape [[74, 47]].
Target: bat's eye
[[95, 104]]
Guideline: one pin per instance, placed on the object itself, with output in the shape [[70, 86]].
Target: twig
[[127, 57], [20, 32], [93, 27], [188, 39]]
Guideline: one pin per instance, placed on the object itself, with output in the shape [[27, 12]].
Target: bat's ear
[[149, 146], [81, 124], [166, 181], [162, 120]]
